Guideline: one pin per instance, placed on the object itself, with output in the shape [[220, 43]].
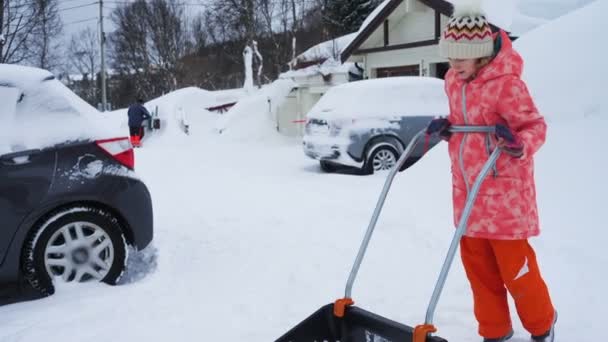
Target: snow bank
[[252, 117], [228, 95], [564, 64], [381, 97], [181, 106], [519, 17], [39, 111], [176, 110]]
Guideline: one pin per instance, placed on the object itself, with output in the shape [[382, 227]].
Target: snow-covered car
[[70, 201], [367, 124]]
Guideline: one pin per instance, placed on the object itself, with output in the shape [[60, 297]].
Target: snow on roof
[[325, 50], [329, 66], [372, 15], [575, 66], [393, 96]]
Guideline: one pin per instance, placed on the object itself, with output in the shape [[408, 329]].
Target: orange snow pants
[[492, 265]]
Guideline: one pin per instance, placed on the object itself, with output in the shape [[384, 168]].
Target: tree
[[83, 51], [198, 33], [234, 20], [83, 56], [149, 43], [346, 16], [18, 19], [45, 45], [28, 29]]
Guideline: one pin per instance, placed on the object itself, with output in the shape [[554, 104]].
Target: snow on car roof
[[393, 96], [21, 76], [39, 111]]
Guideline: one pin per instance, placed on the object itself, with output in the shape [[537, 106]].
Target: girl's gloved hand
[[441, 127], [508, 141]]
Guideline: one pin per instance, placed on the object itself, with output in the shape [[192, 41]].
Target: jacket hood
[[506, 62]]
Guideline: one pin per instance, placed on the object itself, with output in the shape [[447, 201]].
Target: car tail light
[[120, 149]]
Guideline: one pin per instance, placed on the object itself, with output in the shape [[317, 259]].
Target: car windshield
[[38, 111]]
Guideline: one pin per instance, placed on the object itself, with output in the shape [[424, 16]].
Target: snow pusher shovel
[[342, 321]]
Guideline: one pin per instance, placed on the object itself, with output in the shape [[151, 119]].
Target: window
[[406, 70]]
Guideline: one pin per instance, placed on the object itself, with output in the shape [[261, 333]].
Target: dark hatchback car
[[69, 208]]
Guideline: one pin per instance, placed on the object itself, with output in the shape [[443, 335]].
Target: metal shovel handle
[[461, 226], [372, 224]]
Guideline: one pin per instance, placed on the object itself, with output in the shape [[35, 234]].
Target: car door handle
[[18, 158]]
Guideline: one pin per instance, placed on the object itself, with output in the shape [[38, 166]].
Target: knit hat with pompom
[[468, 34]]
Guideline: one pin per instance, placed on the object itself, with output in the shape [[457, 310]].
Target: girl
[[484, 88]]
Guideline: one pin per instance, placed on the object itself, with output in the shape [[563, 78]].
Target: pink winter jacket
[[505, 207]]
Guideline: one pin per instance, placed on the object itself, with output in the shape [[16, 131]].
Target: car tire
[[327, 166], [380, 157], [75, 245]]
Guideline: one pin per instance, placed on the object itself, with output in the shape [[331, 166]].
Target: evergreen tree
[[346, 16]]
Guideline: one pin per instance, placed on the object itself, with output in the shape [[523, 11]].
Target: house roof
[[383, 11], [322, 52]]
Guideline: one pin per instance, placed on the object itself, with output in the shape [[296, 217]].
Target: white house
[[314, 72], [400, 38]]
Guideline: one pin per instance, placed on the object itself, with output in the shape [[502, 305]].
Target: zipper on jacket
[[464, 137], [489, 151]]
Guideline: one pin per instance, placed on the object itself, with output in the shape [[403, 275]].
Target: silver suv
[[367, 124]]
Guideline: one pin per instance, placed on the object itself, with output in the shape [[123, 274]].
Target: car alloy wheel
[[79, 251], [383, 159], [72, 245]]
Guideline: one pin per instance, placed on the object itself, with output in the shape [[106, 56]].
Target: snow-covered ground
[[250, 237]]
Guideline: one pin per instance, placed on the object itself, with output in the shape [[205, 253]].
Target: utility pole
[[294, 29], [2, 39], [102, 39]]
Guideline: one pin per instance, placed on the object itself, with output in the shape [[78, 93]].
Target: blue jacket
[[137, 114]]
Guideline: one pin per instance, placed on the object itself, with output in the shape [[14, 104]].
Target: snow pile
[[179, 108], [567, 75], [252, 117], [394, 96], [176, 110], [249, 119], [38, 111], [228, 95], [519, 16]]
